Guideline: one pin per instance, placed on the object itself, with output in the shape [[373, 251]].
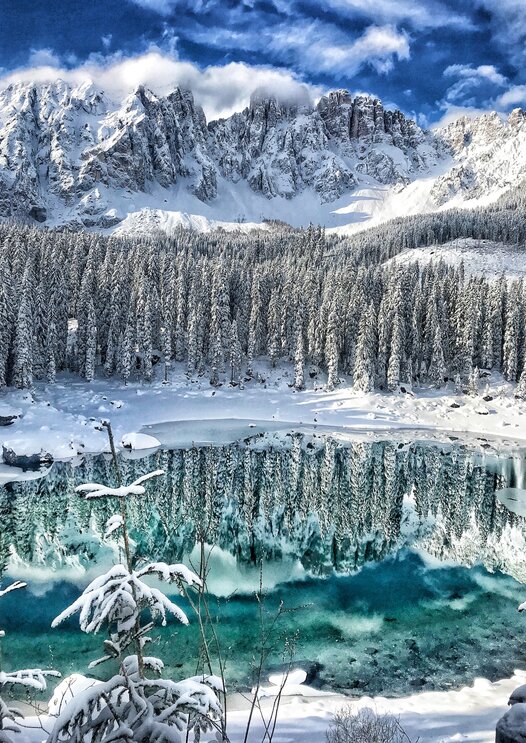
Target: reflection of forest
[[328, 506]]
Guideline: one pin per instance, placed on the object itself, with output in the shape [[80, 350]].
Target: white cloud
[[486, 72], [471, 81], [420, 14], [43, 58], [106, 40], [378, 46], [514, 96], [167, 7], [163, 7], [221, 90]]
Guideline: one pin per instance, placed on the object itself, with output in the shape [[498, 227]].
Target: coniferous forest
[[97, 305]]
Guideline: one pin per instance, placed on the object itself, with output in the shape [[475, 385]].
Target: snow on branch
[[96, 490], [177, 573], [118, 597], [113, 523], [12, 587], [33, 678], [128, 708]]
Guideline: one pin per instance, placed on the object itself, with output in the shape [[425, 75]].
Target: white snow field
[[63, 419], [468, 714], [480, 257]]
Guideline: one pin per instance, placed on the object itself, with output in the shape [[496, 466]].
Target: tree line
[[216, 303]]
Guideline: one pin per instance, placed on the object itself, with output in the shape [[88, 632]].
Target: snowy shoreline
[[63, 419], [466, 714]]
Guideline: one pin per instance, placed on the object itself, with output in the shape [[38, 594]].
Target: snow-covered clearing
[[468, 714], [238, 209], [146, 221], [480, 257], [64, 419]]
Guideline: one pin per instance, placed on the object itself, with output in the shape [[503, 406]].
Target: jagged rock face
[[69, 153], [59, 144], [280, 150], [489, 154]]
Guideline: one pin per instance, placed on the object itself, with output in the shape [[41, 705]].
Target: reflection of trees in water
[[328, 506]]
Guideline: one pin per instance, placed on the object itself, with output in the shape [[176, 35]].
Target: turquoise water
[[392, 628], [341, 530]]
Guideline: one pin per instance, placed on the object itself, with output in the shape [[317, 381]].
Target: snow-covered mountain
[[489, 156], [70, 155]]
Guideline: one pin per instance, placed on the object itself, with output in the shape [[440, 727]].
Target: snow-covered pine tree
[[256, 322], [23, 343], [473, 382], [299, 359], [520, 392], [147, 335], [384, 324], [511, 339], [111, 347], [273, 324], [394, 366], [41, 314], [216, 358], [33, 679], [126, 347], [51, 340], [331, 350], [437, 368], [6, 326], [137, 705], [91, 343], [236, 354], [365, 352]]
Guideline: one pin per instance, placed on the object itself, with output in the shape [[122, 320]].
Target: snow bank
[[139, 441], [147, 220], [469, 714], [65, 419], [480, 257]]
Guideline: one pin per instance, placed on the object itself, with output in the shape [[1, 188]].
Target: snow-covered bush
[[136, 705], [365, 726], [28, 679], [137, 709]]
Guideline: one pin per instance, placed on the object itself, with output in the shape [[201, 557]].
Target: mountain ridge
[[70, 155]]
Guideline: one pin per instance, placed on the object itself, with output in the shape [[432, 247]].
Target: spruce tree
[[299, 360], [365, 352], [396, 355], [23, 343], [235, 354], [331, 350], [437, 367], [520, 392], [91, 343]]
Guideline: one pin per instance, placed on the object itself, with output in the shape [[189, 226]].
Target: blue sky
[[428, 57]]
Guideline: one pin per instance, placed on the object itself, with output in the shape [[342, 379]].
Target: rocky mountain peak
[[517, 118], [70, 149], [489, 154]]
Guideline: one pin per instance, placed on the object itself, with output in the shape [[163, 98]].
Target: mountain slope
[[70, 155]]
